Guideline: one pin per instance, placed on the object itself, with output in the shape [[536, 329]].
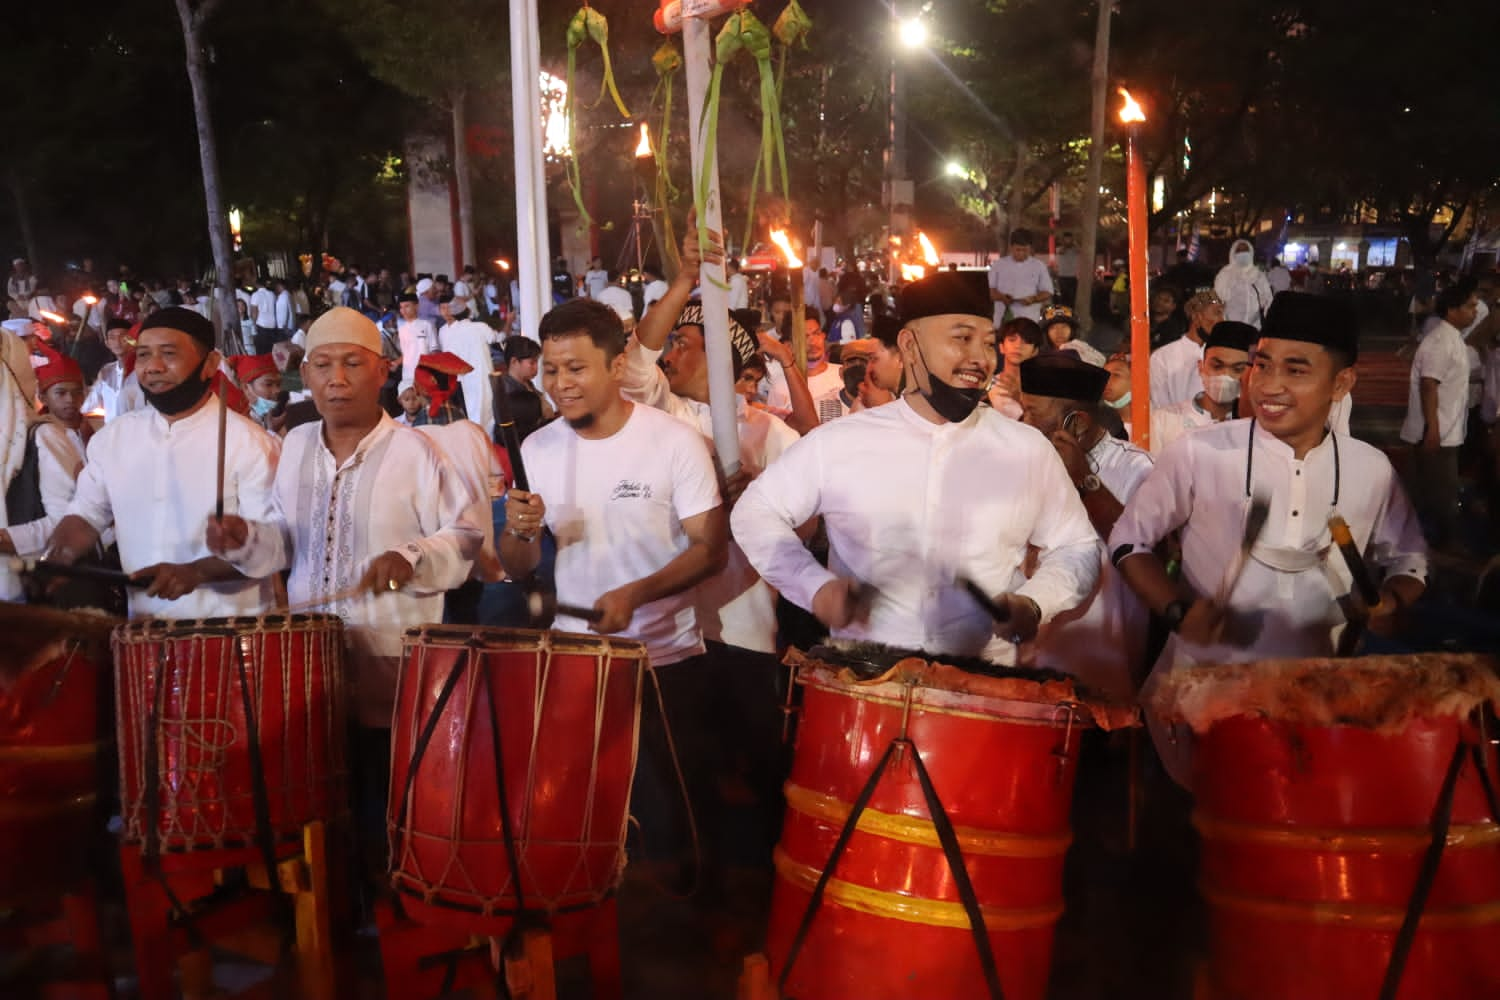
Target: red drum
[[52, 734], [536, 730], [191, 743], [1316, 785], [1002, 754]]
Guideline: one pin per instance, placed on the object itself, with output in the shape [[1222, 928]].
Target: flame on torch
[[51, 317], [1131, 112], [912, 272], [91, 299], [929, 252], [778, 237], [644, 148]]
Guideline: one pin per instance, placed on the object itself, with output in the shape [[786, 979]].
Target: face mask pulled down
[[951, 403], [181, 397]]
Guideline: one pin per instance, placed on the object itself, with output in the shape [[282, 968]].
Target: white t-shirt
[[1174, 372], [616, 507], [739, 291], [1020, 279], [1443, 356], [825, 388], [263, 307], [653, 294], [595, 282]]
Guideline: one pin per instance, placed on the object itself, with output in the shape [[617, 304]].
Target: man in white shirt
[[1285, 603], [655, 287], [1067, 269], [21, 285], [470, 340], [1437, 411], [739, 286], [150, 476], [922, 493], [1226, 360], [631, 497], [285, 314], [618, 299], [104, 395], [1278, 278], [825, 380], [417, 336], [263, 315], [1019, 282], [1102, 642], [595, 279], [1174, 367]]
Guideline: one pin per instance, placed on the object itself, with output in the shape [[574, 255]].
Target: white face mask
[[1243, 259], [1222, 389]]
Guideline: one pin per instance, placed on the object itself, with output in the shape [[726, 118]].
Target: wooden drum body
[[53, 734], [1317, 783], [1002, 755], [511, 733], [213, 713]]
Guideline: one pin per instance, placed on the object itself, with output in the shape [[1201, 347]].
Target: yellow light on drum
[[779, 237]]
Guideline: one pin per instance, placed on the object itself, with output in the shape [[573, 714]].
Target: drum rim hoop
[[523, 640]]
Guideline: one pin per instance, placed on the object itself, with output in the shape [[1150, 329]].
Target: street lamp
[[908, 32], [912, 32], [956, 169]]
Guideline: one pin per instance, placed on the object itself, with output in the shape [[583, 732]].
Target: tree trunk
[[1089, 244], [208, 156], [461, 179], [23, 217], [1015, 200]]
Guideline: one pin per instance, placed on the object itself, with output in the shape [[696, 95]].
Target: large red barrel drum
[[554, 718], [193, 748], [53, 734], [1316, 784], [1002, 754]]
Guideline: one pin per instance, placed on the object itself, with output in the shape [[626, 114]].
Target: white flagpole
[[533, 252], [698, 54]]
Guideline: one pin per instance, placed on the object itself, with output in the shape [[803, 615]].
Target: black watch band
[[1173, 614]]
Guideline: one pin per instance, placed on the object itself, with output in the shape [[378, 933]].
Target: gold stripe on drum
[[911, 909], [41, 809], [1342, 839], [919, 831], [1362, 916], [62, 752]]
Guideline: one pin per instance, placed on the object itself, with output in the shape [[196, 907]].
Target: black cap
[[741, 340], [946, 293], [406, 297], [1313, 319], [1231, 334], [189, 321], [1063, 375]]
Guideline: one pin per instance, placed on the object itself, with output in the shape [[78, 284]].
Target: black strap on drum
[[1442, 817], [946, 837], [419, 749], [265, 836]]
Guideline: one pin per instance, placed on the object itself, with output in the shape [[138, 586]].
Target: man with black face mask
[[923, 494], [150, 475]]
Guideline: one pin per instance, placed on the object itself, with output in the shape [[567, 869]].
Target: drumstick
[[1364, 583], [1255, 523], [999, 613], [99, 574], [223, 428], [510, 437], [537, 605]]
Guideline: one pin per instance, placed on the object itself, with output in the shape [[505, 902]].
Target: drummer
[[1103, 640], [1285, 602], [924, 492], [150, 476], [632, 499]]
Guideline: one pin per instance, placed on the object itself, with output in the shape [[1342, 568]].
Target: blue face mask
[[1120, 403], [261, 407]]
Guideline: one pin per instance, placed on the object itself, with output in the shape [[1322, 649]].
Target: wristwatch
[[1089, 484], [1173, 614]]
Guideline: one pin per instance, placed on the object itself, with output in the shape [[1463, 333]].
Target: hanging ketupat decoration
[[587, 25], [791, 28]]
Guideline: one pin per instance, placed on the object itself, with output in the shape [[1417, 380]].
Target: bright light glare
[[913, 33], [956, 169]]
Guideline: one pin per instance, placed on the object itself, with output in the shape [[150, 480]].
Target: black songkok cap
[[946, 293], [1063, 375], [406, 297], [1313, 319], [1231, 334], [742, 341], [189, 321]]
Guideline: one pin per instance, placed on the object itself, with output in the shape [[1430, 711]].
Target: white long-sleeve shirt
[[467, 448], [736, 606], [1174, 372], [60, 454], [329, 522], [417, 337], [470, 340], [1198, 485], [909, 506], [154, 482], [104, 394]]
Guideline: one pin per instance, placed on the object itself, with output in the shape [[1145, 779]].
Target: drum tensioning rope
[[1442, 818], [947, 838]]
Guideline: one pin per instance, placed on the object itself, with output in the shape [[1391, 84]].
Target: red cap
[[249, 367], [429, 367], [59, 368]]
